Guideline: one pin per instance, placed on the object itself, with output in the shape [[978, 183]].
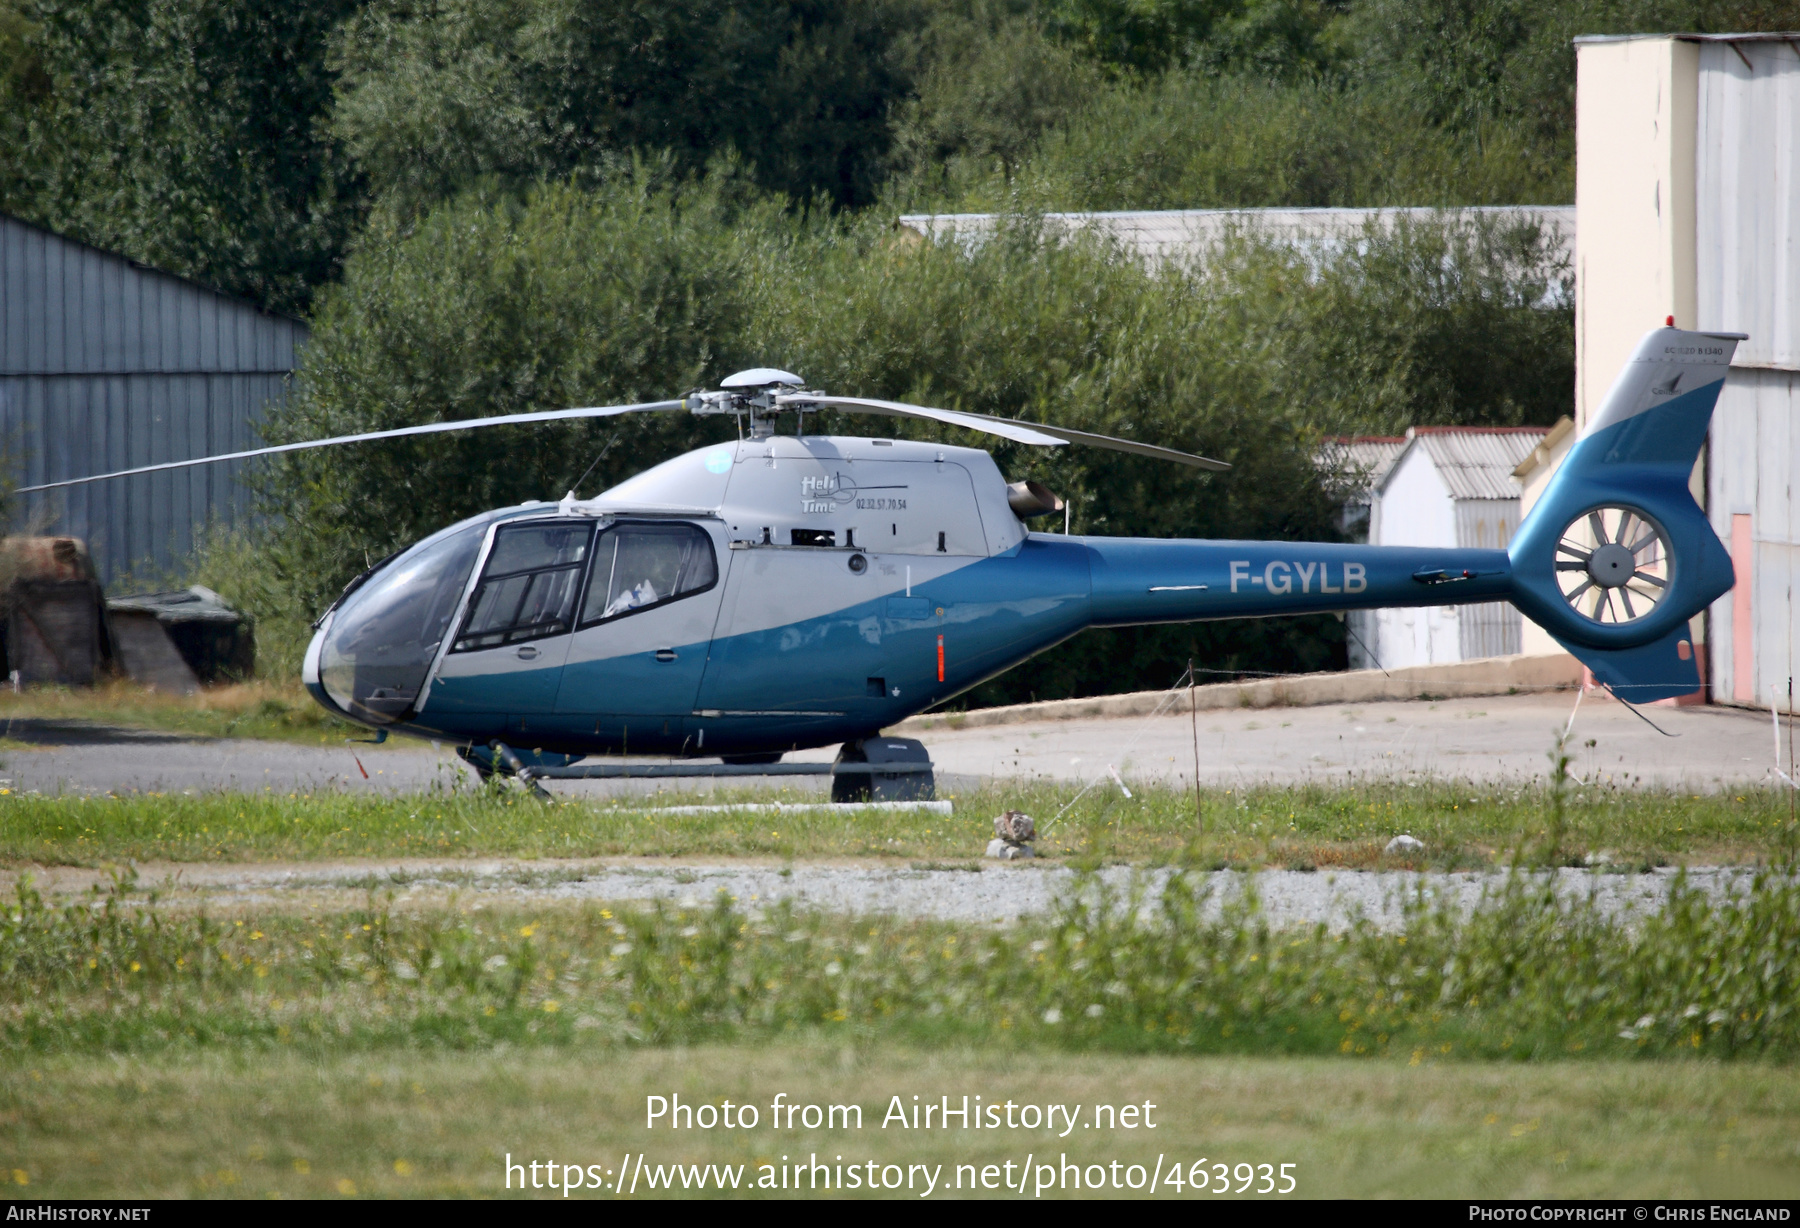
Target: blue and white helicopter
[[789, 591]]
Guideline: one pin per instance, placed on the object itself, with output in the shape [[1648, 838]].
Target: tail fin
[[1616, 556]]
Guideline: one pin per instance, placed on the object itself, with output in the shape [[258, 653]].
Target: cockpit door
[[508, 654], [645, 624]]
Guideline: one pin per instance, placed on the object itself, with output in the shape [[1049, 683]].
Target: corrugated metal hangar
[[106, 364], [1687, 191]]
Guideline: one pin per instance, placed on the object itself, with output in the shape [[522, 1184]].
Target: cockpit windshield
[[385, 635]]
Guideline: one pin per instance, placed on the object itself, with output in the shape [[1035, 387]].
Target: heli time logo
[[834, 490]]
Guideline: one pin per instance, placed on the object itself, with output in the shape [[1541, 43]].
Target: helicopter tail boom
[[1613, 560], [1137, 581]]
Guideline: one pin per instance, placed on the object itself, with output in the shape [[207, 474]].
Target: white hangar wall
[[1415, 509], [1686, 205], [1747, 277]]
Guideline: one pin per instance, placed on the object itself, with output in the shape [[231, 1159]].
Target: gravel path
[[991, 893], [1003, 894]]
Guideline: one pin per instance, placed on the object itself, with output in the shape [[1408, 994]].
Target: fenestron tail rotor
[[1613, 564]]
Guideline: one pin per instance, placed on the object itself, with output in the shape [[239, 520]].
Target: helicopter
[[787, 591]]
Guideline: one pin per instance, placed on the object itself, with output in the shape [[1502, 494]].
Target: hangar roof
[[1476, 462], [1165, 233]]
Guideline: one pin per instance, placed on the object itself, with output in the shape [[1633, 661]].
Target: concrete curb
[[1487, 676]]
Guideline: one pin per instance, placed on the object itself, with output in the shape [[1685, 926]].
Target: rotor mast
[[755, 394]]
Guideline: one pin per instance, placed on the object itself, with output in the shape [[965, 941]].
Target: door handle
[[665, 655], [528, 653]]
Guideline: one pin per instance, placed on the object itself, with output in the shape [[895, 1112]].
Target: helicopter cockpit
[[544, 576], [383, 636]]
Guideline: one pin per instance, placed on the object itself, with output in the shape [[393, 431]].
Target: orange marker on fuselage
[[940, 658]]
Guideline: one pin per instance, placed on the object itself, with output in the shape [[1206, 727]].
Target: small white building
[[1449, 486], [1354, 465]]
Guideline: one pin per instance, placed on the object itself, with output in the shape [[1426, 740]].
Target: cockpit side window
[[528, 588], [637, 566]]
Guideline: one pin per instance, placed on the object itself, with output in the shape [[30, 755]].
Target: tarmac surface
[[1497, 739]]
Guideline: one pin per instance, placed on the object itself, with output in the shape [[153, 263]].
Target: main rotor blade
[[1007, 428], [429, 428], [1018, 432]]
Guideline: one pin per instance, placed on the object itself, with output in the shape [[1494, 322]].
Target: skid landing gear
[[898, 770], [869, 769]]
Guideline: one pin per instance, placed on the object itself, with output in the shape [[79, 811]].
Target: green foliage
[[1194, 140], [245, 146], [184, 133], [1462, 321], [1271, 38], [493, 306], [1279, 40], [244, 567], [435, 96], [24, 85], [1466, 64], [1145, 35], [992, 84]]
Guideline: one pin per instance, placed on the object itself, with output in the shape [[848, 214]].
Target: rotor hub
[[1612, 565]]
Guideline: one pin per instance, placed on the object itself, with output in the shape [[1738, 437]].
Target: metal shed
[[1450, 486], [106, 364]]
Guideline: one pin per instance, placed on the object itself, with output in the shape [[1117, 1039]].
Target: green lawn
[[1530, 973], [413, 1123], [1537, 1047], [1462, 826], [281, 711]]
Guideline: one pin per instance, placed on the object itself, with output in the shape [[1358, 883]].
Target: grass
[[422, 1123], [390, 1050], [1530, 973], [1462, 826], [280, 711]]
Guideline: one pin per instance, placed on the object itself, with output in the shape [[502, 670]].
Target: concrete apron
[[1487, 676]]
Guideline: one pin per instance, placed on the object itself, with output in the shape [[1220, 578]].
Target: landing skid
[[873, 769]]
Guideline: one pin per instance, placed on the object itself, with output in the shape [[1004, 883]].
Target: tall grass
[[1530, 972]]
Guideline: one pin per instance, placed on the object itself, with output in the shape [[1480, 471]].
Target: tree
[[437, 95], [185, 134], [492, 304]]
